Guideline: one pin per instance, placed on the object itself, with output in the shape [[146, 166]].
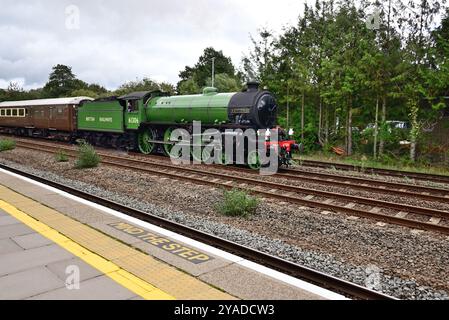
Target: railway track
[[383, 211], [392, 188], [383, 187], [385, 172], [299, 271]]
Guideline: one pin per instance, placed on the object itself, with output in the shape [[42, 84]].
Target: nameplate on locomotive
[[241, 110]]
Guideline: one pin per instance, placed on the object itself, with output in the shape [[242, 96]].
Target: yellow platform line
[[119, 275]]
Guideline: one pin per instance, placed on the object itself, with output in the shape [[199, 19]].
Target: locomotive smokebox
[[253, 107]]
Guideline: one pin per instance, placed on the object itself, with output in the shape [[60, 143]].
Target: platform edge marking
[[205, 247], [119, 275]]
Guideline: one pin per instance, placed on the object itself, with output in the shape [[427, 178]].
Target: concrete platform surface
[[33, 267], [47, 239]]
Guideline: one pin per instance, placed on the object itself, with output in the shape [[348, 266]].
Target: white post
[[288, 106]]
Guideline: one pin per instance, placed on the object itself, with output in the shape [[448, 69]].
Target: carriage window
[[8, 112], [2, 112], [21, 112], [14, 112]]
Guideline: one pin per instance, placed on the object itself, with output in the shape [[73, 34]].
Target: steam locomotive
[[145, 121]]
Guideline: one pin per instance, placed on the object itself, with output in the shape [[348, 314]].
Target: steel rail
[[202, 177], [356, 183], [426, 193], [299, 271], [387, 172]]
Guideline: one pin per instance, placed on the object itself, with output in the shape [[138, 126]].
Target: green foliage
[[200, 75], [188, 86], [84, 93], [62, 82], [225, 83], [237, 203], [61, 156], [13, 92], [91, 90], [87, 156], [7, 144], [260, 62], [335, 62], [340, 65], [146, 84], [98, 89]]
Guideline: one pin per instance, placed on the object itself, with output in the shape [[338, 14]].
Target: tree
[[225, 83], [167, 87], [16, 92], [188, 86], [62, 82], [387, 56], [336, 72], [258, 64], [146, 84], [13, 92], [98, 89], [85, 93], [201, 73], [417, 60], [440, 53]]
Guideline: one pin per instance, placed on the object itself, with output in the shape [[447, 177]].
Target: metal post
[[213, 71]]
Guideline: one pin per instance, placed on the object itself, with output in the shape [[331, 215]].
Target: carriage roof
[[44, 102]]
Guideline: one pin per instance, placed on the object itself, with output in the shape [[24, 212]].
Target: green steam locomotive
[[144, 121]]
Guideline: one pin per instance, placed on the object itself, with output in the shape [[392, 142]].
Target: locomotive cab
[[134, 106]]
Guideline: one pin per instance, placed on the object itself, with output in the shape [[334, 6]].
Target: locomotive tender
[[144, 121]]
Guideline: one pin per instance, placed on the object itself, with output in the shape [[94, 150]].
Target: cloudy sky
[[113, 41]]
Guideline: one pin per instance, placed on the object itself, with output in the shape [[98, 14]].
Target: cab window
[[131, 105]]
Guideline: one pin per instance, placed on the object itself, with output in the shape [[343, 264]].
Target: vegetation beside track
[[237, 203], [7, 144], [87, 156], [390, 163], [61, 156]]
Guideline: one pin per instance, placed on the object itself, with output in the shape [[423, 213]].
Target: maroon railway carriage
[[53, 118]]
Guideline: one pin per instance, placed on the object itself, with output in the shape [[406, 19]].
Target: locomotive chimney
[[253, 85]]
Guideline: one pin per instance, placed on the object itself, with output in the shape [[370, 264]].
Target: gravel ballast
[[397, 260]]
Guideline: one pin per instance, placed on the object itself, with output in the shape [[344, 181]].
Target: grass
[[87, 156], [61, 156], [401, 164], [7, 144], [237, 203]]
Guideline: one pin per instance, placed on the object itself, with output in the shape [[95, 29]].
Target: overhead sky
[[110, 42]]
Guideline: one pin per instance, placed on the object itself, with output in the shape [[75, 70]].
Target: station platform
[[57, 246]]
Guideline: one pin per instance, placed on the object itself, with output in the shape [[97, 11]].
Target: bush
[[7, 144], [61, 156], [237, 203], [87, 156]]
